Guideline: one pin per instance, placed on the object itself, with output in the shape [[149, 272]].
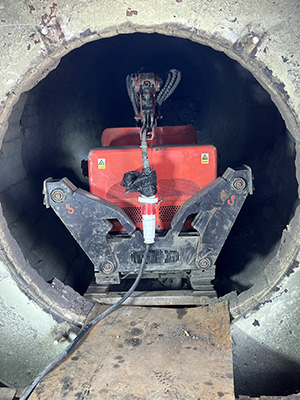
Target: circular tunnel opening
[[54, 126]]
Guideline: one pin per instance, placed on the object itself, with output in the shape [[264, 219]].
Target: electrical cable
[[87, 328]]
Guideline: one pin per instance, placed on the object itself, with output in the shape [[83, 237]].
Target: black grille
[[166, 213], [156, 257], [134, 213]]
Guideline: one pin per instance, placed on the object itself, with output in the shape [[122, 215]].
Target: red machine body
[[182, 167]]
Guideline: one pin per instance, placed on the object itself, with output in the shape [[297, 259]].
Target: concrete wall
[[262, 36]]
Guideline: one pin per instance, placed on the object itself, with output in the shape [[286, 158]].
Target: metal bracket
[[87, 218], [215, 208]]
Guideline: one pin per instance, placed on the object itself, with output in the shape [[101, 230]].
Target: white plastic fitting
[[148, 205]]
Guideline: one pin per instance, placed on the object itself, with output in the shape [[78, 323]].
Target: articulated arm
[[215, 208]]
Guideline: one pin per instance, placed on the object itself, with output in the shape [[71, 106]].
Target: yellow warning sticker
[[101, 163], [205, 158]]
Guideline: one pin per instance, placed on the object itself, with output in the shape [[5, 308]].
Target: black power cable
[[87, 328]]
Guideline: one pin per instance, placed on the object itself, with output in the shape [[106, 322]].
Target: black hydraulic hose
[[87, 328], [171, 84], [145, 159], [131, 94]]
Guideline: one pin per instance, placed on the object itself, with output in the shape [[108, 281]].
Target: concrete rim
[[242, 51]]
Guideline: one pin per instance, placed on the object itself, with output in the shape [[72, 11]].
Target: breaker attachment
[[179, 252]]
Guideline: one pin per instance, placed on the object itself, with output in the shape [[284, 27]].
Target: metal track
[[102, 295]]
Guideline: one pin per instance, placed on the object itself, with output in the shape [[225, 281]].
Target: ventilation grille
[[134, 213], [166, 213], [176, 187]]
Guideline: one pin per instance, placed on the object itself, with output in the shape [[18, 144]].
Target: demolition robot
[[152, 185]]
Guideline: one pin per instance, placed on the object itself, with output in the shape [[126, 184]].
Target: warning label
[[205, 158], [101, 163]]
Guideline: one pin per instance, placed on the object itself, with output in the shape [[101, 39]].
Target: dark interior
[[54, 126]]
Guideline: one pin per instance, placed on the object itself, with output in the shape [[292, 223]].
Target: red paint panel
[[163, 135], [182, 170]]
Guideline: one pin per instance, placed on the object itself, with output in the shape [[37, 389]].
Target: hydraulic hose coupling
[[148, 205]]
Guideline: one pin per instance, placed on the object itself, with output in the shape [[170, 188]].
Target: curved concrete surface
[[262, 36]]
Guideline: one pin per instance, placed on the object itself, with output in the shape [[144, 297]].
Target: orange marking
[[230, 201], [70, 210]]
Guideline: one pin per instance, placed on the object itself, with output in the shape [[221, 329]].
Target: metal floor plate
[[142, 353], [96, 294]]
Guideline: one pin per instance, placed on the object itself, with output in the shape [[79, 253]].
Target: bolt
[[107, 267], [238, 184], [59, 337], [204, 263], [56, 341], [58, 195], [255, 40], [47, 32]]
